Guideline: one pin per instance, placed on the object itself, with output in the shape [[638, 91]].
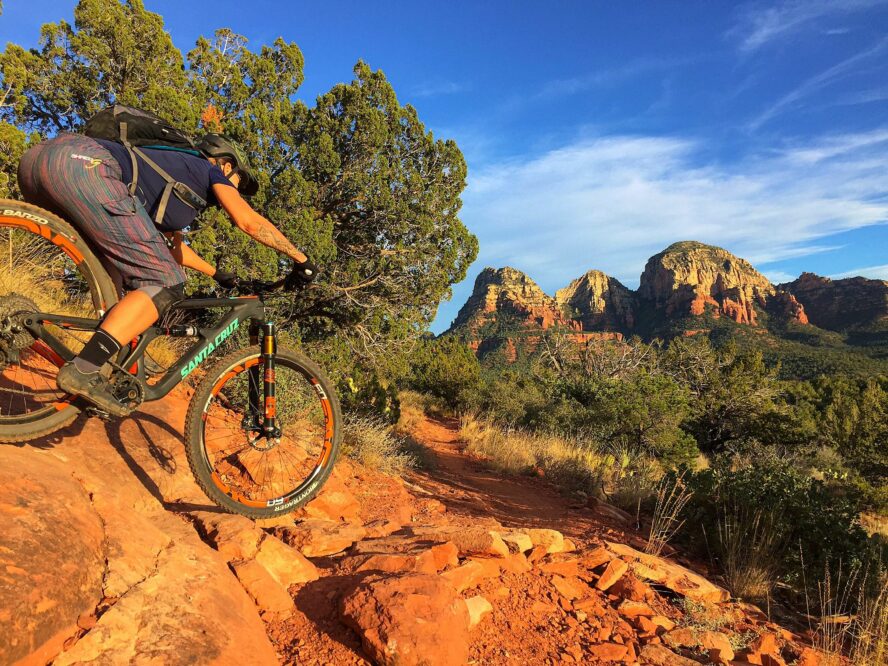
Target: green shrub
[[447, 369], [816, 523]]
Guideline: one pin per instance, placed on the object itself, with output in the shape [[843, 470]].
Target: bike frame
[[239, 310]]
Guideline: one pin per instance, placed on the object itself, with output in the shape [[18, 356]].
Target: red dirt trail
[[471, 489]]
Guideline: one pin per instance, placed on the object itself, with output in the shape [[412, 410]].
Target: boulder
[[629, 609], [615, 569], [663, 622], [608, 651], [659, 655], [478, 607], [431, 559], [570, 588], [381, 527], [409, 620], [552, 540], [517, 540], [596, 557], [677, 578], [563, 567], [316, 537], [715, 644], [629, 587], [285, 564], [471, 573], [400, 553], [189, 609], [52, 559], [235, 537], [334, 502], [515, 563], [268, 594], [477, 541]]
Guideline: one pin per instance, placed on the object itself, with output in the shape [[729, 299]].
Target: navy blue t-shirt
[[195, 172]]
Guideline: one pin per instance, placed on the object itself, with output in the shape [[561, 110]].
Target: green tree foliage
[[356, 180], [12, 144], [447, 369], [113, 52], [734, 394]]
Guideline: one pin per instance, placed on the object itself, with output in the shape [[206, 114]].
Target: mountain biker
[[85, 181]]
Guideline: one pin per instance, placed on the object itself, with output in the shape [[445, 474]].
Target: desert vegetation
[[707, 446]]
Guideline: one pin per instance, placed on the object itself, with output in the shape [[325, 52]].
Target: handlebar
[[255, 287]]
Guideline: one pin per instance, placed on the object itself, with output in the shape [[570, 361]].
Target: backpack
[[134, 128]]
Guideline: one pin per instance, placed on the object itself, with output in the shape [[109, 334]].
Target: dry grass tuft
[[413, 407], [372, 443], [853, 618], [874, 523], [749, 545], [673, 496], [573, 464], [869, 643]]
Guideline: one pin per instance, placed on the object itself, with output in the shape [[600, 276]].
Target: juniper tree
[[355, 180]]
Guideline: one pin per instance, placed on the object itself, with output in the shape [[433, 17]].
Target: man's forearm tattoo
[[270, 236]]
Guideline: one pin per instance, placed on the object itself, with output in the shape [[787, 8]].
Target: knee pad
[[164, 297]]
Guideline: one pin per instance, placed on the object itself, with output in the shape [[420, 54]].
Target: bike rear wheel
[[235, 464], [44, 265]]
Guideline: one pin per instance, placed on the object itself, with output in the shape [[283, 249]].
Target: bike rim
[[259, 471], [46, 268]]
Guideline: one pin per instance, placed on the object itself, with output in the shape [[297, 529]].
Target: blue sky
[[597, 133]]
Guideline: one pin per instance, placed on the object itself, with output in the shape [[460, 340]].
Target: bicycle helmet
[[219, 145]]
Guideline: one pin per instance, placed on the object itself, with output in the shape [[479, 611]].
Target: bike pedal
[[100, 413]]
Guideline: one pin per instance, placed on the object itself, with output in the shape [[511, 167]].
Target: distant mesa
[[686, 289]]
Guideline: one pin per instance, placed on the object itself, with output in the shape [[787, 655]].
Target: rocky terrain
[[683, 290], [109, 554]]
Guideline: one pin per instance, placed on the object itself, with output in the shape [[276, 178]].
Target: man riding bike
[[87, 181]]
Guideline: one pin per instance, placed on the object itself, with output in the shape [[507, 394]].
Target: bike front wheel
[[237, 465]]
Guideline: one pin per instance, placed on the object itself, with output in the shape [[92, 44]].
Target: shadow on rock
[[164, 457]]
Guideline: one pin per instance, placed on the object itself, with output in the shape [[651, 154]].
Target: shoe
[[92, 386]]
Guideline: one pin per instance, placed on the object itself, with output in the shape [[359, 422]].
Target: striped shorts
[[77, 179]]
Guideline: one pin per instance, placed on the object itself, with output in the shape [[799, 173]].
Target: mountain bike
[[263, 426]]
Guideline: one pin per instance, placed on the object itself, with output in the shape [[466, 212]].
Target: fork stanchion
[[269, 349]]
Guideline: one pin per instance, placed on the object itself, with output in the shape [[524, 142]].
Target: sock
[[96, 352]]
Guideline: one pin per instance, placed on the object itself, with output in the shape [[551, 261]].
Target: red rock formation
[[509, 292], [841, 305], [598, 302], [688, 278], [513, 304], [507, 311], [788, 307]]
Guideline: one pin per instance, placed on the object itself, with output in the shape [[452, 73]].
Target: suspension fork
[[253, 420], [269, 352]]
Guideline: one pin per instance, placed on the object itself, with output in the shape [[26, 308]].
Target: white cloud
[[611, 202], [872, 272], [606, 77], [819, 82], [437, 88], [759, 25], [779, 277]]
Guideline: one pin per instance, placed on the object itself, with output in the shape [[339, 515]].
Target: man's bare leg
[[132, 316]]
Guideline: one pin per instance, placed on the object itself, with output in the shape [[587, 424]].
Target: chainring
[[127, 389]]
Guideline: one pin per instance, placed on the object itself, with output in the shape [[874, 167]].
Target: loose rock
[[409, 620]]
